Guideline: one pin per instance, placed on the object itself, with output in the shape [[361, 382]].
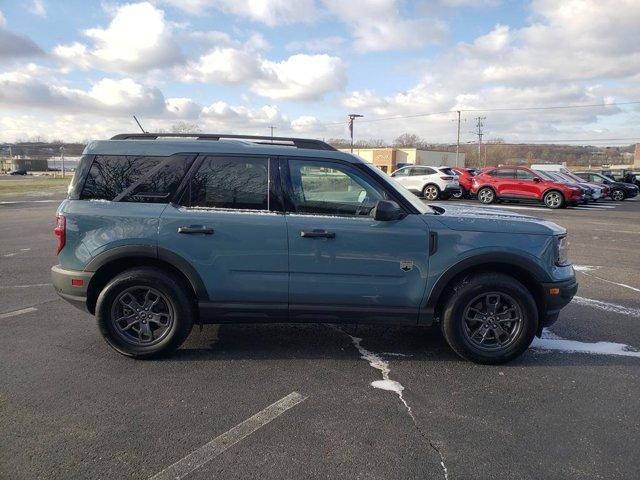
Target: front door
[[228, 228], [343, 264]]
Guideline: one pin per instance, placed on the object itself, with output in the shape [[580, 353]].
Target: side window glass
[[325, 188], [134, 179], [505, 173], [524, 175], [403, 172], [230, 182]]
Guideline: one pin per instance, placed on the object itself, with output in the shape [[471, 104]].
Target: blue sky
[[79, 69]]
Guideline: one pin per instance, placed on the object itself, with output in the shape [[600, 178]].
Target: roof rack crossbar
[[309, 143]]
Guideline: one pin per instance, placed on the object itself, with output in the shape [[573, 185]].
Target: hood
[[476, 219]]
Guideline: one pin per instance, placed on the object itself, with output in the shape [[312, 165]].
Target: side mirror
[[386, 210], [537, 179]]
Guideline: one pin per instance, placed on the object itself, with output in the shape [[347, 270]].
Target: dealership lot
[[296, 401]]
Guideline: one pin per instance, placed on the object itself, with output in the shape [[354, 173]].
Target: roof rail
[[267, 140]]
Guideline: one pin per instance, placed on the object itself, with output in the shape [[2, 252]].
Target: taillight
[[446, 178], [60, 232]]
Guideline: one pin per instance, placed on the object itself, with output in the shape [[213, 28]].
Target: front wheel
[[553, 199], [617, 195], [486, 195], [458, 194], [144, 312], [431, 192], [490, 318]]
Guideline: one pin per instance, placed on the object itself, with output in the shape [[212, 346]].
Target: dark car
[[18, 172], [520, 183], [619, 190], [587, 191]]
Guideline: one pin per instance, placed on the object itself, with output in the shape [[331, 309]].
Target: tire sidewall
[[452, 318], [617, 199], [424, 190], [175, 295], [560, 205]]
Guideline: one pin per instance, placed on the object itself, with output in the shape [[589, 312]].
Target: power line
[[497, 109]]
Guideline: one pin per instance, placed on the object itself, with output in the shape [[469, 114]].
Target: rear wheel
[[486, 195], [553, 199], [617, 195], [490, 318], [431, 192], [144, 312]]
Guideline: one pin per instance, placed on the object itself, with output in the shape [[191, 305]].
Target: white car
[[432, 183]]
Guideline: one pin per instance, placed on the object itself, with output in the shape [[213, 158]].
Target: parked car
[[619, 190], [557, 168], [432, 183], [18, 172], [156, 236], [588, 193], [465, 179], [520, 183]]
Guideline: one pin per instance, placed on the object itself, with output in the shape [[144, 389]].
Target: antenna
[[134, 117]]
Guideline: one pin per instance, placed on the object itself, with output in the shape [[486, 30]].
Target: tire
[[431, 192], [486, 195], [553, 199], [151, 324], [519, 324], [462, 193], [617, 195]]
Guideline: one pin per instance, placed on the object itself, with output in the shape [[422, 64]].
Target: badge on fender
[[406, 265]]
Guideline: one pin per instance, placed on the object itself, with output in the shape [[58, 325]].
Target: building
[[390, 159], [8, 164]]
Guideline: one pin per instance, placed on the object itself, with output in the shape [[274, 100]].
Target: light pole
[[62, 159], [352, 117], [458, 142], [272, 128]]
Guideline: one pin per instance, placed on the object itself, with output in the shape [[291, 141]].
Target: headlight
[[562, 257]]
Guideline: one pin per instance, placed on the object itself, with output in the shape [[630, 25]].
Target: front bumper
[[630, 193], [76, 294], [557, 295]]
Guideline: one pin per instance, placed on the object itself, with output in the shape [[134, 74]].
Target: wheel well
[[109, 270], [521, 274], [553, 190], [489, 187]]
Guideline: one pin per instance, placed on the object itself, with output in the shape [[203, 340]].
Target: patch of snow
[[394, 354], [585, 268], [551, 341], [607, 307], [390, 385]]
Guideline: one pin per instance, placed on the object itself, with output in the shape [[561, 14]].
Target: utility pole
[[480, 133], [62, 159], [458, 142], [272, 128], [352, 117]]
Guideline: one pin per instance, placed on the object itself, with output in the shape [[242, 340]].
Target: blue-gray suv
[[163, 231]]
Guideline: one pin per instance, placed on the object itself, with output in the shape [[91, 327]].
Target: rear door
[[230, 228], [343, 263], [506, 182]]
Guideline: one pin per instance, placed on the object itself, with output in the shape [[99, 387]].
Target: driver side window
[[327, 188]]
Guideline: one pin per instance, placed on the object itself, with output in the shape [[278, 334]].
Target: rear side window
[[75, 188], [503, 173], [135, 179], [230, 182], [524, 175]]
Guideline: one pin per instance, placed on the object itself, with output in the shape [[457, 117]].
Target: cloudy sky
[[78, 69]]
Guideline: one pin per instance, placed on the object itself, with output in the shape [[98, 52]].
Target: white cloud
[[324, 44], [306, 124], [138, 39], [3, 20], [300, 77], [38, 8], [269, 12], [224, 66], [379, 25]]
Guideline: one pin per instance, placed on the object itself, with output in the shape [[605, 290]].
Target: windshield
[[403, 192], [573, 177], [543, 174]]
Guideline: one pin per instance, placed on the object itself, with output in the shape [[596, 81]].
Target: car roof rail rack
[[266, 140]]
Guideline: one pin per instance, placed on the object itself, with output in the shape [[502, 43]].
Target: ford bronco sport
[[163, 231]]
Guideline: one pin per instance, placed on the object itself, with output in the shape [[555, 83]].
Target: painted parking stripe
[[15, 202], [18, 312], [221, 443], [32, 285]]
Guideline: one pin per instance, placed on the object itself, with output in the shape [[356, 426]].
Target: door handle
[[191, 229], [317, 234]]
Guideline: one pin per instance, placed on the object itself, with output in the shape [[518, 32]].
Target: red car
[[465, 179], [520, 183]]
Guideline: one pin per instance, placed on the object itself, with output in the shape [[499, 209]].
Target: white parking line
[[215, 447], [18, 312], [28, 201], [5, 287]]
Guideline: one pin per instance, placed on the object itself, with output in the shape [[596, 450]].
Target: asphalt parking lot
[[296, 401]]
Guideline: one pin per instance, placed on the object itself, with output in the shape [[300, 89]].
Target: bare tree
[[185, 127], [407, 140]]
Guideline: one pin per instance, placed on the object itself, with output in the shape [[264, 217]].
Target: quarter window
[[230, 182], [327, 188], [135, 179]]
